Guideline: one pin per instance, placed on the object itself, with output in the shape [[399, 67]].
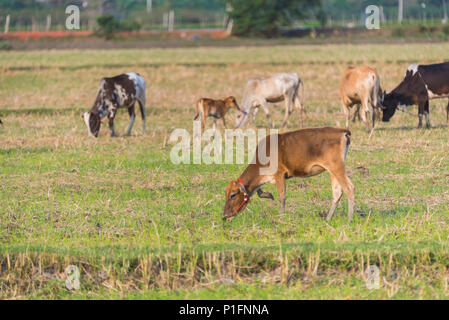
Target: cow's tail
[[199, 109], [299, 96], [375, 92], [347, 136]]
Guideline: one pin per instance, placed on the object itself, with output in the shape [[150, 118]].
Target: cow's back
[[358, 82], [298, 148]]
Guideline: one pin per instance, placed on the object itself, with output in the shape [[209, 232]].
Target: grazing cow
[[279, 87], [302, 153], [118, 92], [361, 87], [1, 122], [214, 108], [421, 84]]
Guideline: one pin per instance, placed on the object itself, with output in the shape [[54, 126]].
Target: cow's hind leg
[[143, 114], [132, 118], [447, 113], [347, 113], [288, 107], [337, 192], [356, 113], [339, 174], [366, 114], [299, 107]]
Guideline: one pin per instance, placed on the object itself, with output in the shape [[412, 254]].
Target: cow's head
[[236, 199], [231, 102], [93, 123], [389, 105]]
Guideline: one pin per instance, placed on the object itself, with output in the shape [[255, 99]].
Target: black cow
[[421, 84], [122, 91]]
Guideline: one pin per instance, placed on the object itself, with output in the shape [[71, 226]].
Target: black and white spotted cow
[[122, 91], [421, 84]]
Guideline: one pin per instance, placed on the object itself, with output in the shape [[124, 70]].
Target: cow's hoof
[[266, 195]]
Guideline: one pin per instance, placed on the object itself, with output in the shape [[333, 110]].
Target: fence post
[[48, 26], [171, 21], [400, 10], [8, 18], [165, 21]]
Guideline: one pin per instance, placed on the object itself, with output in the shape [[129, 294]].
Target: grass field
[[140, 227]]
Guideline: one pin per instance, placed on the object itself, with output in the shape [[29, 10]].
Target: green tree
[[265, 17]]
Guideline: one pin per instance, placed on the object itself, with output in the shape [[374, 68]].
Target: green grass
[[139, 226]]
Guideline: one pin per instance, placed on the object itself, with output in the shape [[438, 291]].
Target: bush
[[265, 18], [4, 45], [108, 25], [446, 30], [398, 32]]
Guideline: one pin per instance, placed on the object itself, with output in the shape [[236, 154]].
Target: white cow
[[278, 87]]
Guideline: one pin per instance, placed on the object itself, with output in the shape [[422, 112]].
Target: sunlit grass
[[109, 203]]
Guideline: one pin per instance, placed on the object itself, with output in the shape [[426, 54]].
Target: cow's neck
[[251, 179]]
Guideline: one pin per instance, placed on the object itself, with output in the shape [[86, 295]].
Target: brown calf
[[214, 108], [302, 153], [361, 86]]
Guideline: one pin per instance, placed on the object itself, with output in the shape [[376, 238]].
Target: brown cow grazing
[[361, 86], [302, 153], [214, 108]]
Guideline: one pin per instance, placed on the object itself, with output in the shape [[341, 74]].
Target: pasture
[[139, 226]]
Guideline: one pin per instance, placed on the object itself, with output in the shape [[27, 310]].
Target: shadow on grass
[[403, 128], [39, 111], [12, 151]]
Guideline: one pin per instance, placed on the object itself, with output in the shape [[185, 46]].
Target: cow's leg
[[365, 114], [203, 121], [264, 195], [356, 113], [447, 113], [143, 114], [338, 171], [426, 113], [111, 117], [280, 184], [337, 192], [300, 109], [267, 112], [215, 126], [224, 122], [132, 118], [255, 110], [347, 113], [421, 107], [288, 107]]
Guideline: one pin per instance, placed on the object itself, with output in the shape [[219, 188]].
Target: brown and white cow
[[122, 91], [276, 88], [302, 153], [361, 87], [421, 84], [214, 108]]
